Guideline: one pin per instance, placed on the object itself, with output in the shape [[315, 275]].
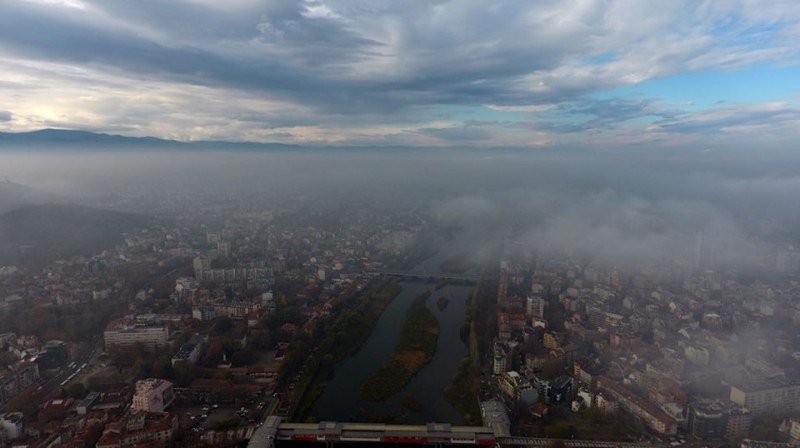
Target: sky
[[545, 73]]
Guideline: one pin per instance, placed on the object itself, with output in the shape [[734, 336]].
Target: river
[[341, 399]]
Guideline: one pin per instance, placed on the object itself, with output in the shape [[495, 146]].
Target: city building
[[792, 427], [586, 370], [606, 404], [534, 306], [655, 418], [13, 425], [775, 396], [716, 420], [54, 354], [85, 404], [500, 359], [551, 340], [560, 389], [17, 379], [119, 335], [55, 409], [204, 313], [233, 275], [191, 351], [152, 395], [156, 428], [514, 386]]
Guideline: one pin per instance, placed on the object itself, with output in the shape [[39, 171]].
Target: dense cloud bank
[[613, 208]]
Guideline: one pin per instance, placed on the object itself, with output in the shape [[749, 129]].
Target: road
[[87, 353]]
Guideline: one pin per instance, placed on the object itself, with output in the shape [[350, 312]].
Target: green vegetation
[[343, 336], [40, 234], [588, 423], [75, 390], [414, 350], [764, 428], [442, 303], [463, 394]]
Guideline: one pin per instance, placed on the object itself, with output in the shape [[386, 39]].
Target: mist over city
[[378, 223], [623, 209]]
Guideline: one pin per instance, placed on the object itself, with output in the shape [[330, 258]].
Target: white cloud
[[352, 64]]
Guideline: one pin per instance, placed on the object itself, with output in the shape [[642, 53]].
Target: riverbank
[[414, 350], [343, 337], [463, 393], [342, 398]]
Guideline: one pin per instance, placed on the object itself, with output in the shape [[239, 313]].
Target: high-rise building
[[500, 359], [535, 306]]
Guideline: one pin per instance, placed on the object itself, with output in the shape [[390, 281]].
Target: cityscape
[[205, 319], [552, 224]]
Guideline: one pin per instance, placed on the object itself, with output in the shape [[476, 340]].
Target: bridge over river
[[428, 275], [274, 433]]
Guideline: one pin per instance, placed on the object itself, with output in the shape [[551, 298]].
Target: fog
[[616, 208]]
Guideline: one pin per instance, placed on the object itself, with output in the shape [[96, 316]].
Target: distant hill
[[69, 139], [40, 234], [77, 138], [13, 195]]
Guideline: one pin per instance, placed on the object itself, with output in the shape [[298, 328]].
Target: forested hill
[[39, 234], [13, 195]]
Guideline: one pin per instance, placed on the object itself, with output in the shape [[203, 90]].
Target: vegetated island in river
[[356, 316], [442, 302], [458, 263], [415, 349]]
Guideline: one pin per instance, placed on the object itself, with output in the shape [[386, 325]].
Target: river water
[[341, 400]]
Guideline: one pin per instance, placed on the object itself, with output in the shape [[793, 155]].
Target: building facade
[[150, 338], [19, 378], [152, 395], [774, 396]]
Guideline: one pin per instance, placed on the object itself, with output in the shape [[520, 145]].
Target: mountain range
[[72, 139]]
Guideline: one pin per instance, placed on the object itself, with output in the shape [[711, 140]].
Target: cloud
[[350, 64], [460, 133], [5, 116], [599, 114], [600, 206], [733, 118]]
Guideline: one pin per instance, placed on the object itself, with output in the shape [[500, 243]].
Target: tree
[[162, 367], [185, 373], [75, 390], [26, 402], [243, 358], [7, 359], [765, 427], [222, 325]]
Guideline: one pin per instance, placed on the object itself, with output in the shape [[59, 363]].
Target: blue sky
[[706, 89], [601, 73]]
